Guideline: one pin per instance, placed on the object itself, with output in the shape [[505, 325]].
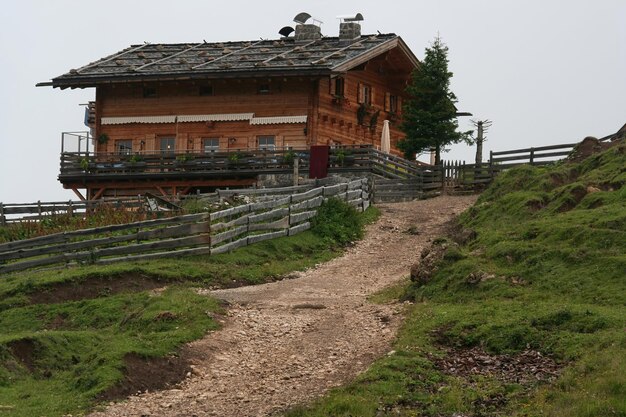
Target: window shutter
[[399, 110], [387, 101], [331, 86], [359, 94], [371, 103]]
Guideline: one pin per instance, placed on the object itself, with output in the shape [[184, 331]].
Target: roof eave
[[380, 49], [94, 81]]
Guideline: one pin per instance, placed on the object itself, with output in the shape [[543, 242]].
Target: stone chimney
[[308, 32], [349, 31]]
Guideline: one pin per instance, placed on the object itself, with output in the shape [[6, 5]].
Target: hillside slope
[[521, 311]]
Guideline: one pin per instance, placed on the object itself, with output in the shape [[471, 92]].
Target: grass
[[551, 246], [58, 358]]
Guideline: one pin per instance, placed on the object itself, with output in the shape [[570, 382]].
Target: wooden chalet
[[175, 118]]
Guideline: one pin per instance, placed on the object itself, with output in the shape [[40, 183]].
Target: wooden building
[[168, 100]]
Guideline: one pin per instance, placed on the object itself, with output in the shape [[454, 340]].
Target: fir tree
[[429, 114]]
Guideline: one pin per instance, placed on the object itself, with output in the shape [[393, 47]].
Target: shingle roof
[[229, 59]]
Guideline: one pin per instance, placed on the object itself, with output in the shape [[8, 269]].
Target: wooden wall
[[338, 123], [329, 122], [287, 97]]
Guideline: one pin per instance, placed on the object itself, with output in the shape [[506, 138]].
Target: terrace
[[81, 167]]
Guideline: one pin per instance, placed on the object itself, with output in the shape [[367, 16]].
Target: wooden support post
[[296, 167], [3, 220], [39, 209], [532, 155], [79, 194], [99, 193]]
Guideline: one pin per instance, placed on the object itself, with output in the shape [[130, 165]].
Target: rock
[[421, 272]]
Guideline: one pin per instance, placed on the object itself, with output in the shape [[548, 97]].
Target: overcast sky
[[545, 72]]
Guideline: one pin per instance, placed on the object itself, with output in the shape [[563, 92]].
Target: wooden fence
[[425, 184], [533, 156], [13, 212], [194, 234]]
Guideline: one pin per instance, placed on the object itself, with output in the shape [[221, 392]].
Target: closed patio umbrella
[[385, 138]]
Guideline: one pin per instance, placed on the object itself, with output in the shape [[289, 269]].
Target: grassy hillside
[[525, 313], [69, 338]]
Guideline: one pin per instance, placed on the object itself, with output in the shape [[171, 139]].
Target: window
[[205, 90], [266, 143], [124, 147], [210, 145], [391, 103], [149, 92], [167, 145], [365, 94], [339, 87], [263, 89]]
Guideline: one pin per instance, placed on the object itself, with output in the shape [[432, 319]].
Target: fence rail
[[205, 233], [13, 212], [533, 156]]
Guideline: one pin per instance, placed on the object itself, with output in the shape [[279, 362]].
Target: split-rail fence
[[193, 234]]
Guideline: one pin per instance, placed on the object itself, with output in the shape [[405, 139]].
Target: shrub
[[338, 222]]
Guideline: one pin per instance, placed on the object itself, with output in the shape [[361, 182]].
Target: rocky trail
[[288, 342]]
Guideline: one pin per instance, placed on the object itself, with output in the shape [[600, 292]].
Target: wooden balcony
[[85, 167]]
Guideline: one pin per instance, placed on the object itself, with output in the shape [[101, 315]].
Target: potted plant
[[289, 157], [361, 113], [374, 120], [136, 161], [184, 160], [343, 157], [234, 159], [84, 164], [103, 139]]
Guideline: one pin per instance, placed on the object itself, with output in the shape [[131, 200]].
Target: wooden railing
[[194, 234], [13, 212], [533, 156], [537, 155], [82, 165]]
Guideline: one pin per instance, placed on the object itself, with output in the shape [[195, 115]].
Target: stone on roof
[[205, 60]]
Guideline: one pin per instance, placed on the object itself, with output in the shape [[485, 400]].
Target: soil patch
[[149, 374], [588, 147], [24, 351], [94, 288], [524, 368]]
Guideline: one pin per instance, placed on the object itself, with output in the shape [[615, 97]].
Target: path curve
[[288, 342]]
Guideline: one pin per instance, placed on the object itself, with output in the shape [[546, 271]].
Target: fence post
[[39, 209], [3, 220], [296, 163], [70, 208], [443, 179], [532, 155]]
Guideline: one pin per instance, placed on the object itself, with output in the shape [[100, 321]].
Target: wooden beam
[[79, 194], [112, 58], [227, 55], [99, 193]]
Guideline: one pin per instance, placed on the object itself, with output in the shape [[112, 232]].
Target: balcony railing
[[148, 164]]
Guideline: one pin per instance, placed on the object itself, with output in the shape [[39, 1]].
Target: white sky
[[545, 72]]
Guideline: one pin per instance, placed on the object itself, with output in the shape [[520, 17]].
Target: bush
[[338, 222]]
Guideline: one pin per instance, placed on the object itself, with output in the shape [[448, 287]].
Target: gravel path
[[288, 342]]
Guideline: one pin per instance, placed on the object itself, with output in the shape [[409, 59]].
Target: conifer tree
[[429, 118]]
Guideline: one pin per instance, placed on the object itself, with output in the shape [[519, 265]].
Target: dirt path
[[288, 342]]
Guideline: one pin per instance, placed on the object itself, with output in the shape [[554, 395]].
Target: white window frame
[[264, 142], [124, 146], [210, 145]]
